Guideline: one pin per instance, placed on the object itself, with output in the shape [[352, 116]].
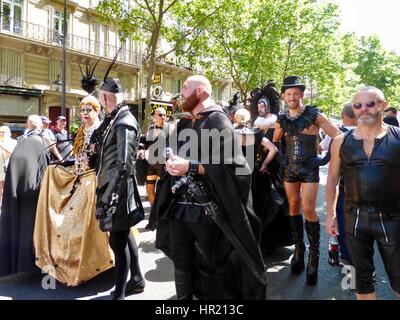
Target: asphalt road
[[158, 272]]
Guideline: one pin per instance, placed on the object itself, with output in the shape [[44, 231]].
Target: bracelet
[[193, 168]]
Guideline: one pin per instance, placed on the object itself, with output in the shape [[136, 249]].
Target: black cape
[[233, 273], [25, 171]]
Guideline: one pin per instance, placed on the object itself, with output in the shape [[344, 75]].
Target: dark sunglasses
[[86, 110], [369, 104], [161, 115]]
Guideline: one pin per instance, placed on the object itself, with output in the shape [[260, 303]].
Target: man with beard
[[269, 198], [299, 125], [369, 158], [211, 235]]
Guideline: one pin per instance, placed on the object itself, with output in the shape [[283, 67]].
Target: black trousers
[[183, 236], [364, 227]]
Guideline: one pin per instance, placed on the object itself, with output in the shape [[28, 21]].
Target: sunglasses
[[162, 115], [86, 110], [369, 104]]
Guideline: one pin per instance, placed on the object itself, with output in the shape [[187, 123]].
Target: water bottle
[[333, 250]]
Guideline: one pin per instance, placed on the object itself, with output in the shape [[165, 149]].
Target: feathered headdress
[[234, 104], [111, 84], [268, 94], [88, 81]]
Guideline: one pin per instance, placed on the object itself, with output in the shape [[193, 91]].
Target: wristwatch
[[193, 168]]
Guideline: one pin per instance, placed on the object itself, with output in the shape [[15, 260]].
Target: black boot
[[297, 263], [313, 234], [183, 285]]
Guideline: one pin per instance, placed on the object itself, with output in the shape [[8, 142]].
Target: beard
[[370, 120], [189, 103]]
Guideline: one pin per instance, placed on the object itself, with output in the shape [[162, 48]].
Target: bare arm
[[278, 133], [273, 150], [324, 123], [332, 186]]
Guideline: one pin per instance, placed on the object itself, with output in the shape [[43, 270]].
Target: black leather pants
[[183, 236], [363, 227]]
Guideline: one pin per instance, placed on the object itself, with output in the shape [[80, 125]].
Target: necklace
[[289, 117]]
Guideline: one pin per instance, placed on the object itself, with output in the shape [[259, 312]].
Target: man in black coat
[[213, 239], [118, 201], [24, 175]]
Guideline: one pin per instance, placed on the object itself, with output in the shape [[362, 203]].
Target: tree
[[150, 21], [378, 67]]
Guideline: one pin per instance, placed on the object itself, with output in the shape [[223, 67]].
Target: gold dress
[[69, 244]]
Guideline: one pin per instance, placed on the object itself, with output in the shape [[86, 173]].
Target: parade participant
[[159, 128], [63, 139], [207, 227], [369, 157], [7, 145], [269, 198], [67, 236], [234, 105], [118, 202], [391, 116], [299, 126], [349, 122], [50, 139], [26, 167]]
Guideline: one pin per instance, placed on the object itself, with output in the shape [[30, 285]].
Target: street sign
[[157, 104], [157, 78]]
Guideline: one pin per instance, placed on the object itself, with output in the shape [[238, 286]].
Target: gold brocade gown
[[69, 244]]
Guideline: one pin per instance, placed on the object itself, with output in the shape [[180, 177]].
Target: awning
[[16, 91]]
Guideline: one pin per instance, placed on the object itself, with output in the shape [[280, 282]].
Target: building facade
[[31, 41]]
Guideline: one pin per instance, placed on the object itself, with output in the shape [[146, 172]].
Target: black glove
[[101, 211], [318, 161]]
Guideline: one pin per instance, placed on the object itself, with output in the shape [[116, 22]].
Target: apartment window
[[12, 16], [178, 86], [101, 38], [11, 67], [58, 20]]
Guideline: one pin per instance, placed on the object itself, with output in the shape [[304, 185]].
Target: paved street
[[158, 272]]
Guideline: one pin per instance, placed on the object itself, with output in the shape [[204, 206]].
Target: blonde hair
[[242, 115], [92, 101], [7, 131]]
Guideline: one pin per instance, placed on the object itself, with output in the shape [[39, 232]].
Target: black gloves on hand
[[318, 161]]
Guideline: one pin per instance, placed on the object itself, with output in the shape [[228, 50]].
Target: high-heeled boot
[[313, 234], [297, 262]]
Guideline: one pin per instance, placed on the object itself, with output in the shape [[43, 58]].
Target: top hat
[[292, 82]]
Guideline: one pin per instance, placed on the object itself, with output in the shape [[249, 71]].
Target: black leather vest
[[301, 147], [372, 182]]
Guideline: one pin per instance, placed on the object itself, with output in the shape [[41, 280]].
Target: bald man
[[369, 159], [190, 226]]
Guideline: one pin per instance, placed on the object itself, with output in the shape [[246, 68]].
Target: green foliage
[[252, 41]]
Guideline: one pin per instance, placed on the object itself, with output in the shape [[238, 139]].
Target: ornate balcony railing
[[32, 31]]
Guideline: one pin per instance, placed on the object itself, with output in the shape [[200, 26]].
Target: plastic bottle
[[333, 250]]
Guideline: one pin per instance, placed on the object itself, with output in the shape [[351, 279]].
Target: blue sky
[[366, 17]]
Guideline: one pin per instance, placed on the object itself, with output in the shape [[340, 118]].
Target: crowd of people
[[226, 186]]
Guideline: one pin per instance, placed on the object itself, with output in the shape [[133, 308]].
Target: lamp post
[[64, 61]]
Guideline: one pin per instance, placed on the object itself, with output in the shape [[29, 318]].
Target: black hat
[[111, 85], [292, 82]]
